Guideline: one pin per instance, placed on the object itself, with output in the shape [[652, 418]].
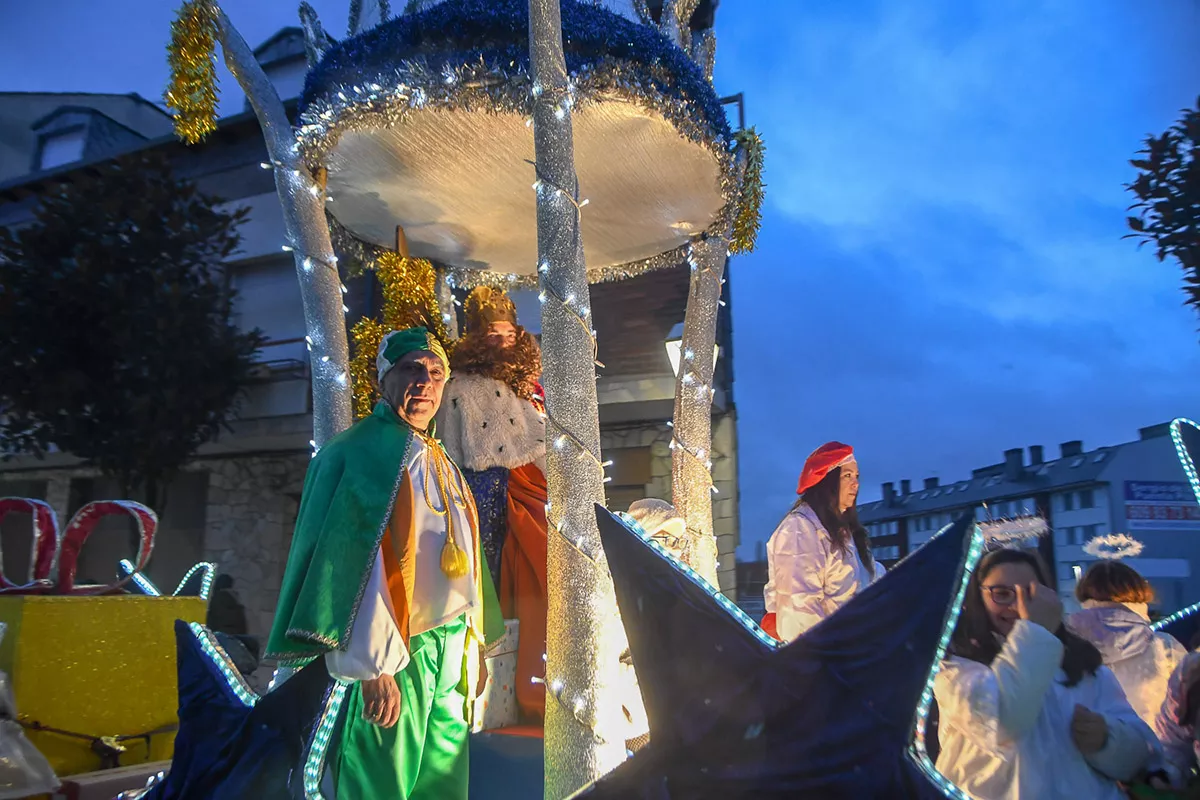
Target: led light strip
[[237, 684], [314, 765], [918, 751]]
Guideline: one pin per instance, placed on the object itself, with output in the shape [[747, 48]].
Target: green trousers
[[423, 756]]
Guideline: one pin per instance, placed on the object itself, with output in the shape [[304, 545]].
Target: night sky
[[940, 274]]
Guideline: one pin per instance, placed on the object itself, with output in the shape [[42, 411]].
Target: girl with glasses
[[1027, 709]]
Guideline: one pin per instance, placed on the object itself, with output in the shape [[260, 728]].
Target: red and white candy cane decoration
[[45, 544], [81, 527]]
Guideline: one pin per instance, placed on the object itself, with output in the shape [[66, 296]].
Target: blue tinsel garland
[[461, 32]]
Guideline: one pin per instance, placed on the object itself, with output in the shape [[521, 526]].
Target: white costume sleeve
[[1177, 735], [376, 647], [796, 559], [880, 571], [1000, 703], [1131, 743]]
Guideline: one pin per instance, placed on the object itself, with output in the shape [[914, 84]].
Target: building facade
[[1138, 488], [236, 502]]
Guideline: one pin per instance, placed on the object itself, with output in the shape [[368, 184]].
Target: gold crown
[[486, 305]]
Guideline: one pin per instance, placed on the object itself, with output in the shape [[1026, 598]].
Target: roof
[[991, 484]]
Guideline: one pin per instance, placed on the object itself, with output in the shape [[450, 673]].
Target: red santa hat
[[823, 460]]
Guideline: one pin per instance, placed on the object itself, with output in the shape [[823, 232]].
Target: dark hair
[[1114, 582], [974, 638], [843, 527]]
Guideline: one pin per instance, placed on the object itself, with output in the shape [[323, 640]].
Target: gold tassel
[[454, 559], [193, 88]]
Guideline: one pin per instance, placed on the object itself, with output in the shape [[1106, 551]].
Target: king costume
[[385, 577], [493, 424]]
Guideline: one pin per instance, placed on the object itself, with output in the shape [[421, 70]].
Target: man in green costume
[[384, 581]]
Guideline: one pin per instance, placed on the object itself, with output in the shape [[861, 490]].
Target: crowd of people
[[1031, 703]]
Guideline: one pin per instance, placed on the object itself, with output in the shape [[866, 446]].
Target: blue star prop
[[233, 744], [735, 715]]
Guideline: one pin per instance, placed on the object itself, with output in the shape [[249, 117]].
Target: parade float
[[500, 139], [90, 670]]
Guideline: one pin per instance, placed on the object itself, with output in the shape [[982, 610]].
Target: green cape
[[349, 494]]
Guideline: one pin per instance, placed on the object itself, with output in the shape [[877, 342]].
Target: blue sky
[[944, 217]]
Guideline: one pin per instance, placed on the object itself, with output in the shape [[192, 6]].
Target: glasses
[[1002, 595]]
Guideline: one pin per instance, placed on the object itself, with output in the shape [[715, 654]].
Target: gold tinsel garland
[[409, 300], [192, 92], [750, 196]]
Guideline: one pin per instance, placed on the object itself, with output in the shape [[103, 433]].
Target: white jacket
[[807, 577], [1178, 736], [1141, 659], [1005, 729]]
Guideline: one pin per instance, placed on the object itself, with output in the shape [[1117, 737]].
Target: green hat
[[398, 344]]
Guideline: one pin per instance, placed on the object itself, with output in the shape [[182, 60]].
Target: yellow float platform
[[101, 666]]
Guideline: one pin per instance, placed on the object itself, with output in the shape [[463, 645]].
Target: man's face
[[502, 334], [415, 387]]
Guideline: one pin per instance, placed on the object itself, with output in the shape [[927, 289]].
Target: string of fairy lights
[[547, 191]]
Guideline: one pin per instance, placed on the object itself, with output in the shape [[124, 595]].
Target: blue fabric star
[[233, 744], [828, 716]]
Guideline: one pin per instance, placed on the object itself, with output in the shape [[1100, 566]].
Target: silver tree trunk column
[[581, 635], [303, 199], [445, 297], [691, 460]]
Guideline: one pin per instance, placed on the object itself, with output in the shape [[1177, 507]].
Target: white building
[[1137, 488]]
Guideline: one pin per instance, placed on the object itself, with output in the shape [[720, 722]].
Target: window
[[1077, 571], [1068, 501], [61, 148], [1088, 532], [1087, 498], [886, 553]]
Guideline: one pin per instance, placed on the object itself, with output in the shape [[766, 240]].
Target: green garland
[[750, 196]]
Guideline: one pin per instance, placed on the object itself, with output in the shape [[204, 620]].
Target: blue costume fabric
[[490, 488]]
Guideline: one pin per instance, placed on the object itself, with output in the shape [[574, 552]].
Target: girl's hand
[[1089, 730], [1040, 604]]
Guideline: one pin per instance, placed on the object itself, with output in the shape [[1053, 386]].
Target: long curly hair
[[518, 366]]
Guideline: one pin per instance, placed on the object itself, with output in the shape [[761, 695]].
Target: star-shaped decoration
[[234, 744], [1186, 436], [735, 715]]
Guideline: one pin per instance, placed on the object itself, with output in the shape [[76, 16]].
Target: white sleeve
[[1000, 703], [1176, 735], [796, 557], [376, 647], [1131, 743]]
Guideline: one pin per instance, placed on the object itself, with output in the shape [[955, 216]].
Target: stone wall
[[724, 471], [252, 504]]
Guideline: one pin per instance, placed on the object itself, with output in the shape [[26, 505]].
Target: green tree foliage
[[1168, 198], [116, 333]]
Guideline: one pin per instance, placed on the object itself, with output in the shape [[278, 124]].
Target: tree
[[116, 336], [1168, 198]]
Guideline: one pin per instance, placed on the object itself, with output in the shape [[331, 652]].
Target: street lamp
[[675, 348]]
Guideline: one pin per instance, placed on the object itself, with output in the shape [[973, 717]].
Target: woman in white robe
[[1027, 709], [1115, 618], [819, 556]]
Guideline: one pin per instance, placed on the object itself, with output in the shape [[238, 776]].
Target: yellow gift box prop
[[99, 666]]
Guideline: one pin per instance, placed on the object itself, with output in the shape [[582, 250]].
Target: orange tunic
[[523, 581]]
